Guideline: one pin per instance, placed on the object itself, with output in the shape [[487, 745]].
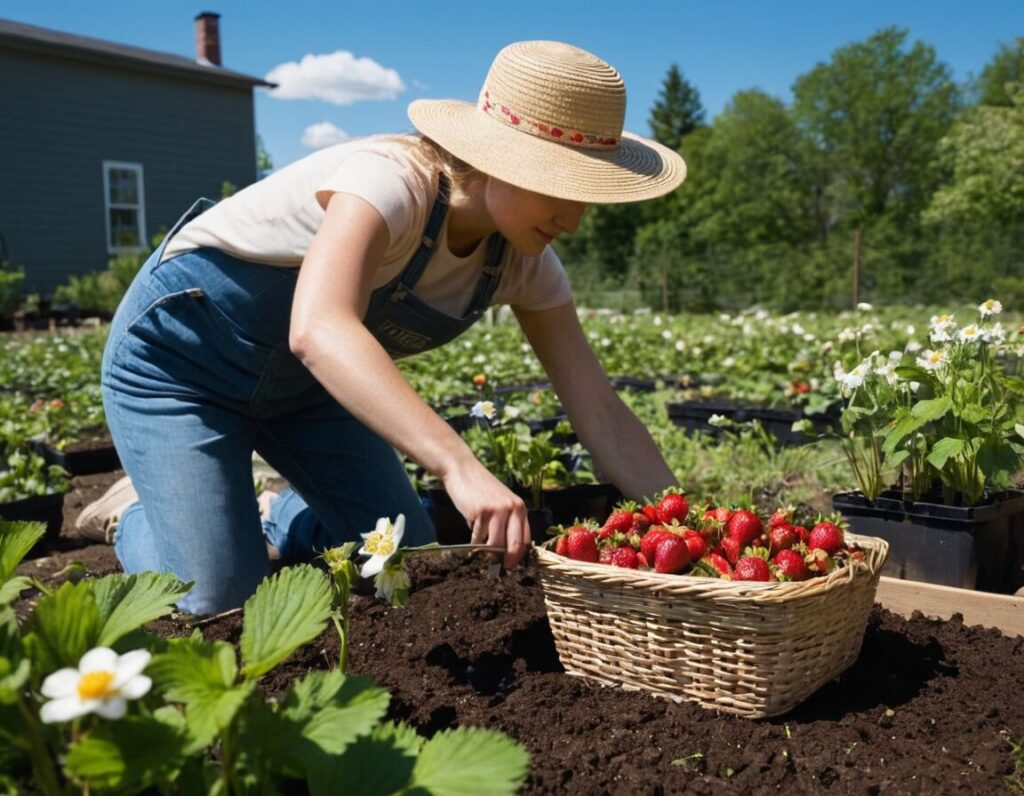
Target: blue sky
[[443, 49]]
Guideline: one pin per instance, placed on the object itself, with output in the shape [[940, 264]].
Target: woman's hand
[[494, 512]]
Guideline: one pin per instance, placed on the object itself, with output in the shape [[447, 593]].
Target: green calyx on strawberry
[[744, 526], [752, 568], [720, 564], [716, 519], [673, 507], [791, 565], [782, 516]]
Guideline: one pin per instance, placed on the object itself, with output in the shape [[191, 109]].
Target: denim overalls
[[197, 374]]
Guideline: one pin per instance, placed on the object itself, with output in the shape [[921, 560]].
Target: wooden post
[[856, 267]]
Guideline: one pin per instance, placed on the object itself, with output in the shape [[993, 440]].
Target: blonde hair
[[437, 158]]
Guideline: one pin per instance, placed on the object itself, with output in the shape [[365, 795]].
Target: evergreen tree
[[1005, 68], [677, 111]]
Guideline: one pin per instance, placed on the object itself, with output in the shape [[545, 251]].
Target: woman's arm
[[327, 334], [620, 444]]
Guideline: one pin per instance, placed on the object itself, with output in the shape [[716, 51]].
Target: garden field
[[751, 411]]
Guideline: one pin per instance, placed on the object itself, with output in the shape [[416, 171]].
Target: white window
[[125, 206]]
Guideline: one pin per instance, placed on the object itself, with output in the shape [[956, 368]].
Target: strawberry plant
[[89, 702]]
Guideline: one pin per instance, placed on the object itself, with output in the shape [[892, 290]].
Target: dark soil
[[100, 441], [929, 707]]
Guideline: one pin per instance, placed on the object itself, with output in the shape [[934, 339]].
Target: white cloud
[[322, 134], [339, 78]]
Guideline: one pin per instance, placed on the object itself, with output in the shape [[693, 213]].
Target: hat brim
[[637, 169]]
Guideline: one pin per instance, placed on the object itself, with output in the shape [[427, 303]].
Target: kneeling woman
[[270, 322]]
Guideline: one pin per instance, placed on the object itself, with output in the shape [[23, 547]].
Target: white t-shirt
[[273, 222]]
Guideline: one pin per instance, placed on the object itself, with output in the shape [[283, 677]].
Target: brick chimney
[[208, 38]]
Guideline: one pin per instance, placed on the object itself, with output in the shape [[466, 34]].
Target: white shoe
[[98, 521]]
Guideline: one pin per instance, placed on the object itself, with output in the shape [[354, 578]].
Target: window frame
[[108, 165]]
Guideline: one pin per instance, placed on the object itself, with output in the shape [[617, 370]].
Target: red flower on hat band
[[506, 115]]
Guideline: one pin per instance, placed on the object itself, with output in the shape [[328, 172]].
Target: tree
[[677, 111], [877, 111], [264, 163], [1005, 68]]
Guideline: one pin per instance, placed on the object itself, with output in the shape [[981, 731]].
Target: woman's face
[[530, 221]]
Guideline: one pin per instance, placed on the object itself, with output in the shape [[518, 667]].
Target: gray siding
[[61, 118]]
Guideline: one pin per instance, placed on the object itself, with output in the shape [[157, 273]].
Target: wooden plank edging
[[1002, 611]]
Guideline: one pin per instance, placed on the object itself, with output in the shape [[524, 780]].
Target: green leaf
[[913, 373], [895, 459], [944, 449], [127, 602], [375, 765], [973, 413], [63, 627], [1019, 429], [932, 409], [288, 610], [468, 761], [905, 425], [11, 589], [129, 755], [202, 676], [16, 539], [320, 716]]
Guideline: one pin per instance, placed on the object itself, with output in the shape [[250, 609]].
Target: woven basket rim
[[755, 590]]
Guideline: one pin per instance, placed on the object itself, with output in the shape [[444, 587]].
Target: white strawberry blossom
[[484, 409], [102, 684], [380, 544], [932, 360], [718, 420], [863, 306], [913, 347], [994, 334], [393, 578], [942, 327], [970, 334], [990, 307]]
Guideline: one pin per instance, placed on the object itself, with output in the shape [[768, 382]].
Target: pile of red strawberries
[[666, 536]]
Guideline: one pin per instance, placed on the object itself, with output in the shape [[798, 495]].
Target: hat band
[[563, 135]]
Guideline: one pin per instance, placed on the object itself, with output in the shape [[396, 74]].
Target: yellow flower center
[[970, 331], [95, 685], [380, 544], [936, 357]]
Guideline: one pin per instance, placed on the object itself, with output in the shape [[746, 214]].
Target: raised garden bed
[[926, 708], [696, 415], [89, 456]]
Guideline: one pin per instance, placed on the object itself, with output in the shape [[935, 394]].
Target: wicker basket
[[755, 649]]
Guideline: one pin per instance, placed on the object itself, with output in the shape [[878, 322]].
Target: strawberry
[[826, 536], [650, 511], [641, 561], [695, 544], [731, 549], [782, 537], [721, 515], [672, 555], [625, 556], [752, 568], [791, 564], [605, 553], [582, 544], [651, 539], [621, 518], [744, 527], [801, 533], [818, 561], [673, 506], [782, 516], [719, 563], [562, 546]]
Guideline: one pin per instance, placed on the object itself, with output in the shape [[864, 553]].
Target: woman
[[271, 322]]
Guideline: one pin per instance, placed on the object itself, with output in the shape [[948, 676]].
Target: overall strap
[[489, 277], [417, 265], [200, 206]]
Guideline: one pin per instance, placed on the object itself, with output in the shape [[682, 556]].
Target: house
[[102, 145]]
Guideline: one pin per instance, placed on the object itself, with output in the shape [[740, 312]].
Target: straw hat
[[549, 119]]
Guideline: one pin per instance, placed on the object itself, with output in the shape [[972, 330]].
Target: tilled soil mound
[[929, 707]]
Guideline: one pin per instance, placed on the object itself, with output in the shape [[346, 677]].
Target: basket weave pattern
[[754, 649]]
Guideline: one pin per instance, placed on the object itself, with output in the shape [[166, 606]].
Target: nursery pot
[[558, 507], [41, 508], [969, 547], [86, 461], [695, 416]]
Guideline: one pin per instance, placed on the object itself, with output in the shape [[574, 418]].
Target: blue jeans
[[196, 376]]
